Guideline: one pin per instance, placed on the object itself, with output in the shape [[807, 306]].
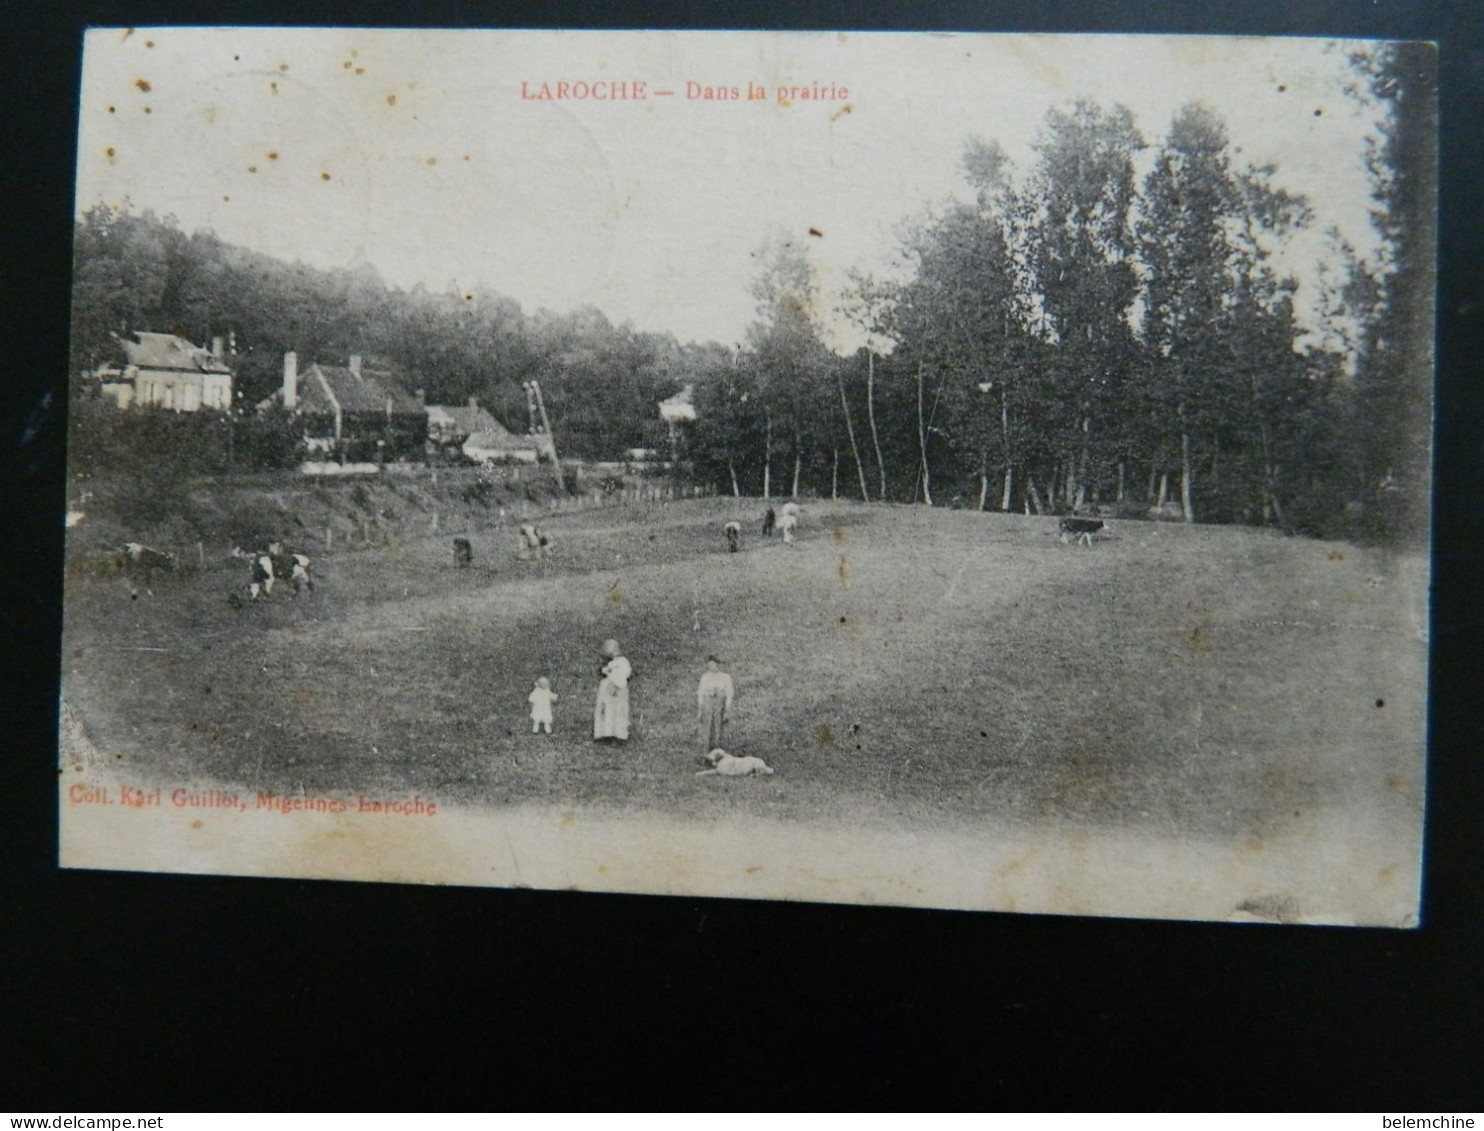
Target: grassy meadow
[[899, 666]]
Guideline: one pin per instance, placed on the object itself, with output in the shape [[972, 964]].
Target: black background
[[141, 992]]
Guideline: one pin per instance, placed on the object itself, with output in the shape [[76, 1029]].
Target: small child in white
[[541, 698]]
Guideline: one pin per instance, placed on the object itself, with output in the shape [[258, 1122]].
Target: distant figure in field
[[714, 696], [541, 698], [534, 543], [291, 567], [734, 536], [788, 519], [463, 553], [611, 712], [770, 520]]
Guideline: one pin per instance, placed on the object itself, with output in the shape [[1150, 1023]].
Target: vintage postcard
[[963, 471]]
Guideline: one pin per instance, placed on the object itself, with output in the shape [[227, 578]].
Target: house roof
[[170, 351], [682, 406], [321, 387], [366, 391], [500, 438], [464, 419]]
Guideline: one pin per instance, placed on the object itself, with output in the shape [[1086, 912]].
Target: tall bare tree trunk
[[835, 473], [924, 473], [1084, 460], [1269, 473], [767, 457], [1164, 489], [871, 413], [732, 470], [983, 476], [798, 459], [1035, 495], [850, 431], [556, 463], [1122, 473], [1005, 436], [1185, 476]]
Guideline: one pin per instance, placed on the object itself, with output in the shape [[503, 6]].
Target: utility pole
[[556, 463]]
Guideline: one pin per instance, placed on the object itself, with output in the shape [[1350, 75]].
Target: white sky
[[440, 173]]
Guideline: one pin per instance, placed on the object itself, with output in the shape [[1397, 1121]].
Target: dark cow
[[463, 553], [1082, 530], [290, 567], [770, 520], [734, 536], [278, 563]]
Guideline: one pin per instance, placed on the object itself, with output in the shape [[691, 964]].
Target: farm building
[[453, 424], [498, 443], [166, 371], [681, 408], [675, 411], [111, 384], [355, 413]]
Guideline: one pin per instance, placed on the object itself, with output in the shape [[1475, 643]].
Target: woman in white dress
[[611, 712]]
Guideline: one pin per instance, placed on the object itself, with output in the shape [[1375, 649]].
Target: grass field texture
[[897, 666]]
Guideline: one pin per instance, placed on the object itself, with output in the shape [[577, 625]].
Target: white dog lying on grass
[[731, 766]]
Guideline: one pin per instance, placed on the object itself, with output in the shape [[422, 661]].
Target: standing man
[[714, 696]]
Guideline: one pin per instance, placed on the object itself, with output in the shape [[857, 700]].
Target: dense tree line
[[1081, 334], [138, 271], [1108, 326]]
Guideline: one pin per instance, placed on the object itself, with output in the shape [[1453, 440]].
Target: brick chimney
[[422, 396], [473, 401], [290, 380], [354, 364], [216, 348]]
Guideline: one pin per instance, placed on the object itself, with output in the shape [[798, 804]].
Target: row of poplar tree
[[1079, 335]]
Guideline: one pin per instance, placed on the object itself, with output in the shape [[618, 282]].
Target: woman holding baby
[[611, 712]]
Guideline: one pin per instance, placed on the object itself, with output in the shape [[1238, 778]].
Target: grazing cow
[[291, 567], [277, 564], [734, 536], [463, 553], [1081, 530], [770, 520], [260, 576]]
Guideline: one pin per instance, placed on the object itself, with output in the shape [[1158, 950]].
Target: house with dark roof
[[166, 371], [355, 413]]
